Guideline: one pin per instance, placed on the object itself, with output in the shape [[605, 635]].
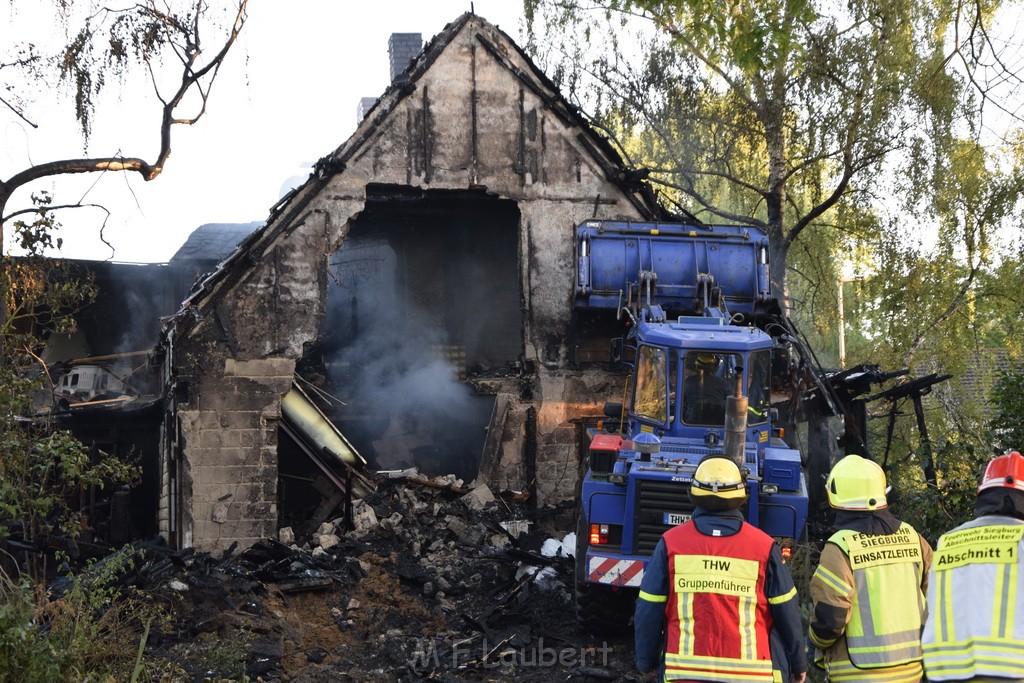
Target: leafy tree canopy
[[798, 115], [877, 142], [1008, 401]]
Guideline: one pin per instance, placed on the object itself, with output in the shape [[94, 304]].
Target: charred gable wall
[[471, 115]]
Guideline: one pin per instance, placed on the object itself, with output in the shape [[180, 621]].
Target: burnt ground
[[428, 586]]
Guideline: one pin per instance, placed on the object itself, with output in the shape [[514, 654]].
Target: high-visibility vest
[[887, 571], [717, 615], [975, 623]]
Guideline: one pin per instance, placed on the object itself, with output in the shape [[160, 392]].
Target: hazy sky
[[287, 96]]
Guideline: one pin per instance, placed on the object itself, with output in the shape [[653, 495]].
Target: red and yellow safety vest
[[717, 613]]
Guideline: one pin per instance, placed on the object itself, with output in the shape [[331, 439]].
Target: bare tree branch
[[193, 79], [18, 113]]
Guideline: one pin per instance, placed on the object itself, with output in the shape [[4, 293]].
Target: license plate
[[675, 519]]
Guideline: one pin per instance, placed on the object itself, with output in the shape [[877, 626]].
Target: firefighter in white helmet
[[868, 591], [716, 602], [975, 626]]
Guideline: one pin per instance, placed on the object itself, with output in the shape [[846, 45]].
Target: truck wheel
[[600, 611]]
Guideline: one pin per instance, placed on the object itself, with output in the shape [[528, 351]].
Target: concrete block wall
[[230, 436]]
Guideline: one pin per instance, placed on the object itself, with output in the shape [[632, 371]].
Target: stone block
[[259, 368], [240, 438], [209, 438], [239, 419], [252, 511], [231, 475], [226, 457], [478, 498], [363, 516], [328, 541], [207, 419], [204, 492], [220, 513]]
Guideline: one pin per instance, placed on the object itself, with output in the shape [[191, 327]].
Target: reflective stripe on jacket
[[720, 583], [869, 605], [882, 632], [975, 624]]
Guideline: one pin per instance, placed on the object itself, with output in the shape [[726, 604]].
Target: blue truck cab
[[702, 337]]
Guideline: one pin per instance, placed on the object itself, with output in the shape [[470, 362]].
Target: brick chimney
[[402, 49], [365, 105]]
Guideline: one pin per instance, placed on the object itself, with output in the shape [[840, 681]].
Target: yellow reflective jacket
[[975, 626], [869, 605]]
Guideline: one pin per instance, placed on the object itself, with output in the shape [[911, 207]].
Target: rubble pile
[[431, 580]]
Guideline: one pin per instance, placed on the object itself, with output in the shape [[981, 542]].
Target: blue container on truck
[[702, 336]]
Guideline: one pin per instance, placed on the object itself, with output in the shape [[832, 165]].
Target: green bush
[[44, 472], [90, 632], [26, 654], [934, 510], [1008, 401]]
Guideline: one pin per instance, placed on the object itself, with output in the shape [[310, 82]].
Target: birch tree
[[787, 114], [168, 41]]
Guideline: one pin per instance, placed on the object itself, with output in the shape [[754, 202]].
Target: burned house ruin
[[411, 303]]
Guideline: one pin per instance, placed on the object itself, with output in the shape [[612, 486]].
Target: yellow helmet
[[718, 484], [856, 483], [707, 361]]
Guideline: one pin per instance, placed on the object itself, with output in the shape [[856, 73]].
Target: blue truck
[[705, 344]]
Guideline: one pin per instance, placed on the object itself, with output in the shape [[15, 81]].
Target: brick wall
[[402, 49]]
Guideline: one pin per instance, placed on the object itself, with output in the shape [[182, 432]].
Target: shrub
[[88, 629]]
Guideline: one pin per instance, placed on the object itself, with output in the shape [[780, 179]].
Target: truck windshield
[[651, 396], [708, 379]]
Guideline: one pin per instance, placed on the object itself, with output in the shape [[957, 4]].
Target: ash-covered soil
[[429, 581]]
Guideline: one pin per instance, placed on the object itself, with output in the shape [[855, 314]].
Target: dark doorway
[[424, 293]]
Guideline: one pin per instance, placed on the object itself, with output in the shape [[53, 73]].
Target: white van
[[88, 382]]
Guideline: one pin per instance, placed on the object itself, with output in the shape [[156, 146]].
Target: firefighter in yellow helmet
[[975, 627], [716, 602], [868, 591]]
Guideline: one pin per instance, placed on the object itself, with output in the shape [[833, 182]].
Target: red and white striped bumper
[[615, 572]]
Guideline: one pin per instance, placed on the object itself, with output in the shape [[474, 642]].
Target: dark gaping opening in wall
[[592, 334], [423, 294]]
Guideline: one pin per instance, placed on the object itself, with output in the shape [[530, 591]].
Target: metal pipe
[[691, 233], [736, 423]]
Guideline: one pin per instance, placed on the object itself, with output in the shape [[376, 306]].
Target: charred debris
[[425, 579]]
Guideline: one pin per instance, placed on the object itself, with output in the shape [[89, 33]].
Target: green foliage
[[224, 657], [854, 134], [88, 633], [24, 654], [42, 470], [41, 474], [843, 130], [934, 510], [105, 46], [1008, 402]]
